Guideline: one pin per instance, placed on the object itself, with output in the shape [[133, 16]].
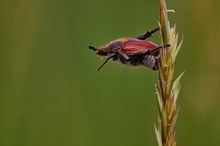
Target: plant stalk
[[167, 90]]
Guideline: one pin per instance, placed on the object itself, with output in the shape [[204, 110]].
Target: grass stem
[[167, 90]]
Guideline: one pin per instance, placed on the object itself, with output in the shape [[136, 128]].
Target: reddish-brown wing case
[[134, 46]]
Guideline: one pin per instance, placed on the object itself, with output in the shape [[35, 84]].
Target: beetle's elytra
[[131, 51]]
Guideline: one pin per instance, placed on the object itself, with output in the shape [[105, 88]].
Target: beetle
[[131, 51]]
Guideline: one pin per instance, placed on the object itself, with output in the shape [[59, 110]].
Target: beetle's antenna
[[92, 48], [111, 56]]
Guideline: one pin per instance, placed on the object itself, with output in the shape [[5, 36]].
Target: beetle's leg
[[125, 57], [151, 57], [155, 50], [111, 56], [147, 34], [131, 57]]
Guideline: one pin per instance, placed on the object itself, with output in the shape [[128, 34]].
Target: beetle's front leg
[[111, 56], [147, 34]]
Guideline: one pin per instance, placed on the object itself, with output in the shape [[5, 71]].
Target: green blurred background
[[52, 95]]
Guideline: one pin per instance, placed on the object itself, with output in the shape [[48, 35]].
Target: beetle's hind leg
[[155, 51], [147, 34], [151, 58]]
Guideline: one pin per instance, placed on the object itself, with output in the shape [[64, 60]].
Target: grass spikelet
[[167, 90]]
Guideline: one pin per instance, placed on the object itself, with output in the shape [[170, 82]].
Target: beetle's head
[[101, 51]]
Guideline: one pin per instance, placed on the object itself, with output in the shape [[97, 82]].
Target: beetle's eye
[[102, 53]]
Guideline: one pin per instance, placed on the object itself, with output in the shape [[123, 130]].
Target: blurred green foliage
[[52, 94]]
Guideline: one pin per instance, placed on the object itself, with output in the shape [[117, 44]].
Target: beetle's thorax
[[113, 45]]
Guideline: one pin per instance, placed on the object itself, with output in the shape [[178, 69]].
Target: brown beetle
[[132, 51]]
